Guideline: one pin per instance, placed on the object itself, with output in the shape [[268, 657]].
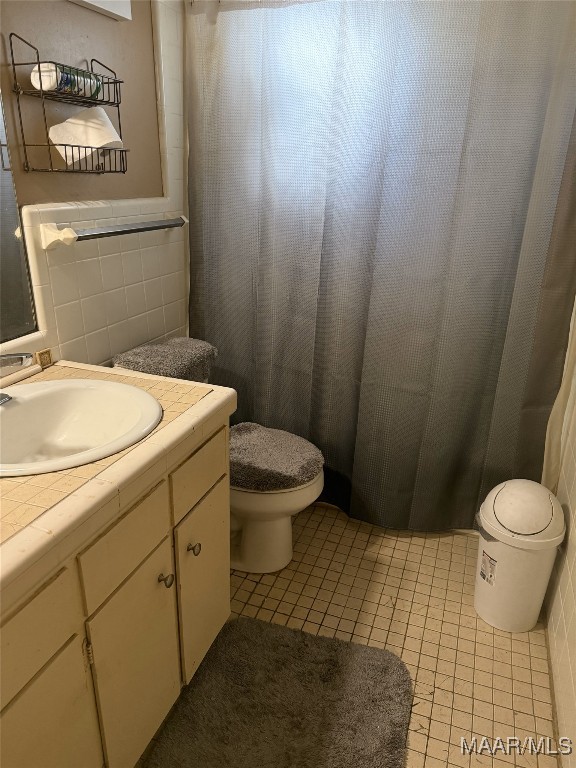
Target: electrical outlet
[[44, 358]]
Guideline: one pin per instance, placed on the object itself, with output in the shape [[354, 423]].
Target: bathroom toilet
[[261, 525], [273, 474]]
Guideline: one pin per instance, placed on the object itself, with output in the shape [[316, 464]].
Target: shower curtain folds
[[373, 193]]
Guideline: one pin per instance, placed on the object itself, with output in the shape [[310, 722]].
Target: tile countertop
[[48, 517]]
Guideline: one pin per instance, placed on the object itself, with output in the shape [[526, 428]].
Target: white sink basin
[[52, 425]]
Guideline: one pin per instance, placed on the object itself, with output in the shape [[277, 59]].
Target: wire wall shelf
[[77, 158], [94, 87]]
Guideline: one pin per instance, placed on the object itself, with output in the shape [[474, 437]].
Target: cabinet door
[[134, 638], [199, 473], [124, 546], [203, 563], [53, 722], [32, 637]]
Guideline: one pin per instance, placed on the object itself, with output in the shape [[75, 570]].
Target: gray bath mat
[[270, 697]]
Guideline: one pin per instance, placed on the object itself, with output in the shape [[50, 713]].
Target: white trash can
[[521, 525]]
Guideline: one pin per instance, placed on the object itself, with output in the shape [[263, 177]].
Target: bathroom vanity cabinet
[[49, 713], [202, 546], [96, 656]]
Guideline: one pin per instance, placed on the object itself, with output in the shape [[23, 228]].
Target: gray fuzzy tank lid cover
[[264, 459], [179, 358]]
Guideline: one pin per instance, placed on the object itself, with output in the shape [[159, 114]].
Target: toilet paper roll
[[91, 129], [48, 76]]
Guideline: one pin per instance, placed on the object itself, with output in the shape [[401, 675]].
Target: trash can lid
[[524, 514]]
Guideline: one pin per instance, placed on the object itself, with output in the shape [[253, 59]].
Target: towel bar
[[129, 229], [51, 235]]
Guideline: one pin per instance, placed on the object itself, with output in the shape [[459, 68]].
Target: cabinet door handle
[[168, 580], [194, 548]]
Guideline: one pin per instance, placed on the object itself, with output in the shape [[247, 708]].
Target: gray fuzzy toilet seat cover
[[263, 459], [179, 358]]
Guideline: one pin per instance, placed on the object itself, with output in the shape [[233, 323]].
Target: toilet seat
[[264, 459], [267, 505]]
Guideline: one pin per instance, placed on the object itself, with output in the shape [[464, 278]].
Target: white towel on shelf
[[91, 129]]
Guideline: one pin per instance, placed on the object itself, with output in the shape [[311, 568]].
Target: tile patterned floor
[[412, 593]]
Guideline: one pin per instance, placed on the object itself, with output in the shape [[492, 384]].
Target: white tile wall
[[100, 297], [562, 600]]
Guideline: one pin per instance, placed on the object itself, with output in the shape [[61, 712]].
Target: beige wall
[[562, 591], [100, 297], [64, 31]]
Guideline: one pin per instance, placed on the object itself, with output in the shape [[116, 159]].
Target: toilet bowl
[[273, 476], [261, 525]]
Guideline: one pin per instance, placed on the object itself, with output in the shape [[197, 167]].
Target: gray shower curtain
[[373, 188]]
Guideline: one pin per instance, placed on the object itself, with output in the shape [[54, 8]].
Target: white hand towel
[[91, 129]]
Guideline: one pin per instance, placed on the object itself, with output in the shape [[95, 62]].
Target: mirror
[[17, 316]]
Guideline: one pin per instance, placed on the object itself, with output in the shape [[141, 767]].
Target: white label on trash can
[[488, 568]]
